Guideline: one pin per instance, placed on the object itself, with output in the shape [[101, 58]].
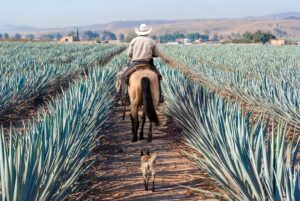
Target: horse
[[143, 90]]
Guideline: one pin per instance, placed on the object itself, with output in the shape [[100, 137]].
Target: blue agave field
[[250, 156]]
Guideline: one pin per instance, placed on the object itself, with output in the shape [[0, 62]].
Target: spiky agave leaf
[[44, 162], [245, 157]]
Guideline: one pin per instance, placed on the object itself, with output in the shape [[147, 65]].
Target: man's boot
[[124, 88], [161, 97], [125, 96]]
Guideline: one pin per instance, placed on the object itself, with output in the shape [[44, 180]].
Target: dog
[[148, 168]]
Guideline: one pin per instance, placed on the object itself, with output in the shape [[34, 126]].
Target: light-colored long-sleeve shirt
[[142, 48]]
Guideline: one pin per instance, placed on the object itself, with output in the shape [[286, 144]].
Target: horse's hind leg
[[135, 123], [143, 124], [150, 133], [132, 123]]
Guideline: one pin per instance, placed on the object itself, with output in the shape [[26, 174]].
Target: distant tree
[[263, 37], [90, 35], [178, 35], [57, 36], [130, 36], [29, 36], [257, 37], [215, 37], [197, 36], [267, 37], [5, 36], [247, 36], [193, 36], [171, 37], [1, 36], [278, 32], [48, 36], [17, 36], [121, 37], [107, 35], [204, 37]]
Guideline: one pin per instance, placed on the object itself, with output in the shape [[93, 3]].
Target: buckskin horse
[[143, 91]]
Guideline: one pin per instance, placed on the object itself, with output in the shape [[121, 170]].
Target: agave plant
[[250, 160], [263, 76], [44, 161], [30, 74]]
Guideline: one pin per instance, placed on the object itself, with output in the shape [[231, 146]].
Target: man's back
[[142, 48], [141, 51]]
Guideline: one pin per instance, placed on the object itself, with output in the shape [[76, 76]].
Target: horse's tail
[[148, 102]]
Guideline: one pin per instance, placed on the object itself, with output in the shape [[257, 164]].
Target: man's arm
[[156, 52], [130, 51]]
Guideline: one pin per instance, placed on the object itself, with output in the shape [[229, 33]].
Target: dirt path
[[118, 177]]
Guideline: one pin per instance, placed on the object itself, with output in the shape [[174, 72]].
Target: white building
[[277, 42]]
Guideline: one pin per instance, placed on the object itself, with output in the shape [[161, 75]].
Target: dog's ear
[[142, 154], [148, 153]]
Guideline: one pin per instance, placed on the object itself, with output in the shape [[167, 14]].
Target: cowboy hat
[[144, 30]]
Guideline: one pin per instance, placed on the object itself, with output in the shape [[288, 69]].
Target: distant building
[[187, 41], [180, 40], [197, 42], [298, 43], [70, 39], [277, 42], [200, 41], [114, 42], [172, 43]]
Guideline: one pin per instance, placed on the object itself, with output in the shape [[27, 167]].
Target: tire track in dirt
[[117, 175]]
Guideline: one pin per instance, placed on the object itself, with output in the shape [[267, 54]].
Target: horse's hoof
[[134, 139]]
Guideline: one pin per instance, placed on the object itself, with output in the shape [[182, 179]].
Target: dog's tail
[[153, 157], [148, 106]]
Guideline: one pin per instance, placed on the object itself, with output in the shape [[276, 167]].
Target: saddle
[[141, 67], [122, 79]]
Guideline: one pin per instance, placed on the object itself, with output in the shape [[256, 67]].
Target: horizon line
[[137, 20]]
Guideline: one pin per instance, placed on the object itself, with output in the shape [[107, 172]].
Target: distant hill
[[132, 24], [286, 15], [13, 28], [288, 21]]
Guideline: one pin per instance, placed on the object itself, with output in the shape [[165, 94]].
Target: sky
[[61, 13]]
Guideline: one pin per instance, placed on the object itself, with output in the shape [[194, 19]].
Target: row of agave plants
[[46, 53], [263, 76], [247, 157], [44, 161], [29, 71]]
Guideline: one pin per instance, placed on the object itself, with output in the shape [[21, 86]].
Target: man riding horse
[[142, 81], [142, 50]]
